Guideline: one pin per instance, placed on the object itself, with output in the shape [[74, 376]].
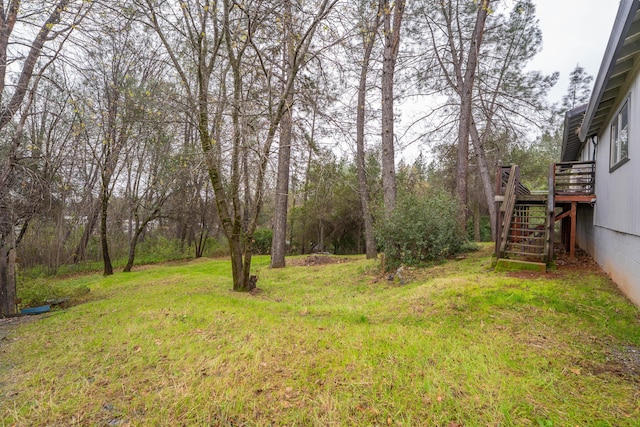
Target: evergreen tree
[[579, 89]]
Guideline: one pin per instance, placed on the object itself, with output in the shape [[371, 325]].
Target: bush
[[422, 229], [262, 240], [154, 249]]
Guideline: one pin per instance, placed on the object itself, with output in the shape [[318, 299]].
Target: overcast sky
[[574, 32]]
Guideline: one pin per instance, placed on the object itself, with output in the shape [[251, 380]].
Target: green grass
[[329, 345]]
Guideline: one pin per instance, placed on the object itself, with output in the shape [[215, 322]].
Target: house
[[606, 131]]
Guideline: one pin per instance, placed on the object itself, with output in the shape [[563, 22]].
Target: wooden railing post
[[551, 220]]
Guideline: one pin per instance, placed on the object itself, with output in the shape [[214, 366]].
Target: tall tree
[[17, 22], [118, 72], [579, 89], [228, 37], [507, 98], [392, 14], [456, 30], [481, 56], [279, 246], [465, 72], [370, 24]]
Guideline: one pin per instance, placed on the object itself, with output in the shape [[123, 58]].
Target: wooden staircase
[[527, 231], [525, 220]]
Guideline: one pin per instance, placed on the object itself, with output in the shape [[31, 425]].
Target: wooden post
[[498, 212], [508, 206], [572, 244], [551, 209], [566, 232]]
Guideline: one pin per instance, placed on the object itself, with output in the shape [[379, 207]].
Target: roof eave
[[572, 120], [624, 19]]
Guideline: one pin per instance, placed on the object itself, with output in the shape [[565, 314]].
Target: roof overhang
[[571, 144], [618, 63]]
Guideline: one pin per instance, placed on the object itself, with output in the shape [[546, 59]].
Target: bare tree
[[45, 25], [370, 24], [227, 37], [278, 246]]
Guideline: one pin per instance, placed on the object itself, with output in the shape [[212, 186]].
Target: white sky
[[573, 32]]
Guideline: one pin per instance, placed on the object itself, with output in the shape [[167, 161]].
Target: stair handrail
[[508, 205]]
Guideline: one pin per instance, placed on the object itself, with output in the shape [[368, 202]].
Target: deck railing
[[574, 178], [503, 178]]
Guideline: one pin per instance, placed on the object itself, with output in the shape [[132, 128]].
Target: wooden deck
[[526, 219], [575, 179], [573, 183]]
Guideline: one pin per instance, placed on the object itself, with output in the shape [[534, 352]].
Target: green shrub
[[154, 249], [422, 229], [216, 248], [262, 240]]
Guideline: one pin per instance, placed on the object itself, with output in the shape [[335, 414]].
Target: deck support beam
[[572, 243]]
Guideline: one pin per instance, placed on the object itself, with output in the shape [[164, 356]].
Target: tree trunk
[[278, 245], [80, 253], [240, 265], [7, 282], [466, 108], [476, 223], [485, 177], [104, 203], [279, 240], [5, 303], [139, 229], [132, 251], [305, 197], [200, 242], [321, 236], [368, 41], [390, 54]]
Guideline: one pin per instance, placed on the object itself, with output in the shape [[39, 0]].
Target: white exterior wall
[[610, 232], [586, 155]]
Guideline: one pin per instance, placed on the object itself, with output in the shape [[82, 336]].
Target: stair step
[[532, 254], [527, 231], [533, 240], [524, 245]]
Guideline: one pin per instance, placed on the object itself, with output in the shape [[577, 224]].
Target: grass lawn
[[458, 345]]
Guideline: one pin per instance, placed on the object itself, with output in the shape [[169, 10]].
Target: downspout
[[594, 141]]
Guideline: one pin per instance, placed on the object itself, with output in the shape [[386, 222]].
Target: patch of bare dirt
[[622, 362], [318, 259], [582, 262]]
